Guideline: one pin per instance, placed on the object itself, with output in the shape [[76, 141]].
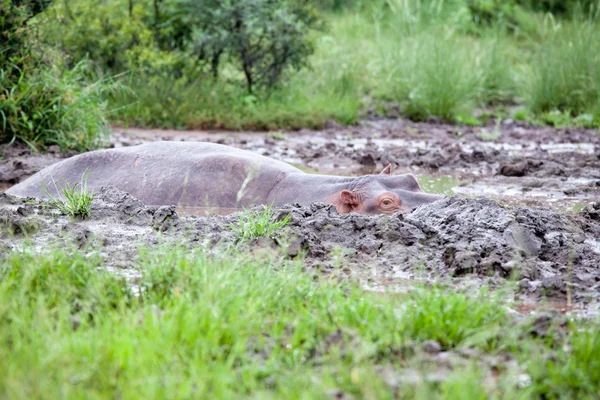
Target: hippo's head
[[382, 194]]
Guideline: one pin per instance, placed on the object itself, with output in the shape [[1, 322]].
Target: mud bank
[[464, 243]]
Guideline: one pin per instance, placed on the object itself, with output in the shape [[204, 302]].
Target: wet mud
[[461, 242], [523, 210], [512, 162]]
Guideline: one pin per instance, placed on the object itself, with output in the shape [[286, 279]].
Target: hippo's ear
[[387, 170], [348, 198]]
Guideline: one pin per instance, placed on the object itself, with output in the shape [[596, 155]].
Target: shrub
[[41, 105], [264, 38], [49, 106], [14, 15], [119, 36]]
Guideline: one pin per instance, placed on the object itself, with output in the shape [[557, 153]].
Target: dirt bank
[[464, 243]]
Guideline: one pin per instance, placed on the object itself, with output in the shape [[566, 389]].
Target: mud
[[527, 209], [523, 217], [524, 165], [464, 243]]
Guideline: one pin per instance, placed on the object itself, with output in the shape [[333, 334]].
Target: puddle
[[443, 185], [584, 148], [527, 149], [501, 190]]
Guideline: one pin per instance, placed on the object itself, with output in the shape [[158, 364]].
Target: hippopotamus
[[198, 174]]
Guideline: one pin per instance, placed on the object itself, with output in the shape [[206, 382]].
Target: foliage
[[14, 30], [564, 74], [119, 36], [559, 7], [255, 224], [75, 203], [47, 106], [441, 58], [39, 104], [264, 38], [163, 102]]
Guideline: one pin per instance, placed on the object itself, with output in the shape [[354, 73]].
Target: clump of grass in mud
[[254, 224], [73, 200], [278, 135], [230, 326], [487, 135]]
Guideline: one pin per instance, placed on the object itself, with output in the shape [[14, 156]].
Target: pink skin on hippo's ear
[[348, 202], [387, 170]]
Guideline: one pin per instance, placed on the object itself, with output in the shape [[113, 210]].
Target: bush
[[14, 15], [50, 106], [263, 38], [118, 36], [42, 105]]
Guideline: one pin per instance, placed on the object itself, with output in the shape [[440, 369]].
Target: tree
[[264, 38]]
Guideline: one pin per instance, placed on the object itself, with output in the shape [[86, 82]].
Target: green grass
[[50, 106], [232, 326], [73, 200], [277, 135], [162, 102], [426, 57], [564, 73], [255, 224]]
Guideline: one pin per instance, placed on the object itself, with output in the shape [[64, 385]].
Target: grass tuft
[[564, 73], [73, 200], [254, 224]]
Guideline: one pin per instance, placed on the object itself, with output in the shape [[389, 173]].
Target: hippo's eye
[[387, 203]]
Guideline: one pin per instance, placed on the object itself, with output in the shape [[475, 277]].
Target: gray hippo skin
[[197, 174]]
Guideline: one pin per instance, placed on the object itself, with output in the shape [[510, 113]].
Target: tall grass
[[565, 70], [47, 106], [429, 57], [168, 103]]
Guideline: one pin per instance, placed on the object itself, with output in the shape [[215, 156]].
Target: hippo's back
[[163, 173]]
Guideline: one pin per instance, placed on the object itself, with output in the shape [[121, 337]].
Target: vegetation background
[[68, 68]]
